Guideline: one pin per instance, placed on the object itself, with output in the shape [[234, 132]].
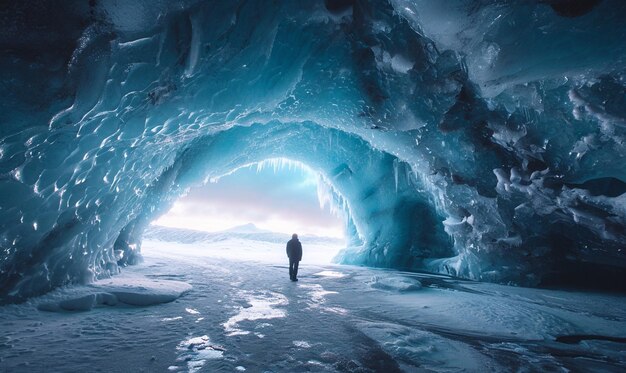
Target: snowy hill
[[246, 229], [248, 232]]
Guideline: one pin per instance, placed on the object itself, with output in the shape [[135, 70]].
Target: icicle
[[279, 164], [328, 196], [395, 172]]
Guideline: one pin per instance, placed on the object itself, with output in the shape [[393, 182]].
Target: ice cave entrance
[[250, 213]]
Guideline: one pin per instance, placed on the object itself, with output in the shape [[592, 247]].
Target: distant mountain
[[248, 232], [246, 229]]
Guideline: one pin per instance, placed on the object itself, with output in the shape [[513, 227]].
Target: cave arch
[[377, 198], [267, 195], [106, 117]]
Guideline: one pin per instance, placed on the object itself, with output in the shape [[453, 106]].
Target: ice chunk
[[135, 291]]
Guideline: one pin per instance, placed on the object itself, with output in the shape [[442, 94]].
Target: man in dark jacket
[[294, 252]]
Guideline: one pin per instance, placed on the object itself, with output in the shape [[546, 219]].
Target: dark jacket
[[294, 250]]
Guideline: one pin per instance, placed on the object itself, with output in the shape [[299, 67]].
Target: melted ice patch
[[317, 293], [333, 274], [317, 298]]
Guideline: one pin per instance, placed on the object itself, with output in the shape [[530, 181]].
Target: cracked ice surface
[[475, 138]]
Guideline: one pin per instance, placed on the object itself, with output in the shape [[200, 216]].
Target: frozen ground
[[247, 316]]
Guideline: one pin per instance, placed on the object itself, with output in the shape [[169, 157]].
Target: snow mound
[[395, 283], [246, 228], [134, 291]]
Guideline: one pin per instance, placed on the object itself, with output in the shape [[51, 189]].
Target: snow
[[258, 306], [247, 316], [195, 352], [237, 243]]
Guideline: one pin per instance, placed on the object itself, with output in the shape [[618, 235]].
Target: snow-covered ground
[[245, 315], [245, 242]]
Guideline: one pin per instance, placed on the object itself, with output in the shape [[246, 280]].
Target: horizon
[[233, 228], [281, 198]]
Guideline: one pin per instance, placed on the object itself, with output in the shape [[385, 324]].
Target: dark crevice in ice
[[577, 338], [606, 186], [571, 274], [573, 8]]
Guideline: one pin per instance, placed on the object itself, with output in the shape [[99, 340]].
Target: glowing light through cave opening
[[277, 195]]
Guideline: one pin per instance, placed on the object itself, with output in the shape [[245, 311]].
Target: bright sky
[[280, 200]]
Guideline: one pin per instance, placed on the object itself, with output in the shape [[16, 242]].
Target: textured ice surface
[[395, 283], [247, 315], [477, 138], [129, 290]]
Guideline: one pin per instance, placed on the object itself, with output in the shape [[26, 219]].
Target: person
[[294, 252]]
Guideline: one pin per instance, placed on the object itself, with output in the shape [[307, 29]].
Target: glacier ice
[[476, 138]]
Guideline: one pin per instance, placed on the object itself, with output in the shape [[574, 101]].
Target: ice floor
[[248, 316]]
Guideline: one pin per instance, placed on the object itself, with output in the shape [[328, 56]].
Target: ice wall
[[478, 138]]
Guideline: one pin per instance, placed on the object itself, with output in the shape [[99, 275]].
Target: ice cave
[[476, 150]]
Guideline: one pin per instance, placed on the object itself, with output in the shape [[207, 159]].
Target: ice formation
[[478, 138]]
